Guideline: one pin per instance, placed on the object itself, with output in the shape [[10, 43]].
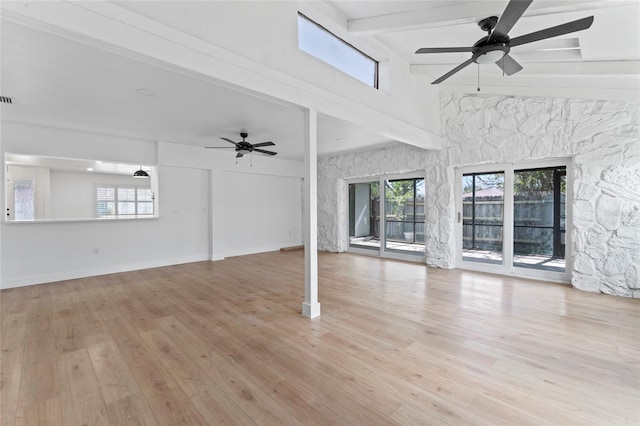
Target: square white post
[[311, 307]]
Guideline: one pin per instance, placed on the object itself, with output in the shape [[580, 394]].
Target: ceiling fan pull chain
[[478, 77], [251, 159]]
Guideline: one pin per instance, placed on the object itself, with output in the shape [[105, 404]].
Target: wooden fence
[[533, 223]]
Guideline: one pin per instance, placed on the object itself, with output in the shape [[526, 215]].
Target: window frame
[[376, 70], [414, 221], [382, 251], [507, 267], [116, 201]]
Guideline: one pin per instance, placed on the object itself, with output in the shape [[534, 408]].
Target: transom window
[[326, 46], [112, 200]]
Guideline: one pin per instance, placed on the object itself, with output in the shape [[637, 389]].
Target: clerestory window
[[326, 46]]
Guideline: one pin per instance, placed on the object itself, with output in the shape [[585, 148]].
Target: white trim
[[310, 306], [254, 250], [383, 216], [92, 272], [422, 258], [417, 174], [374, 251], [310, 310], [507, 218], [367, 179], [91, 219]]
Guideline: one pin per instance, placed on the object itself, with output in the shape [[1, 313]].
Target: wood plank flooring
[[397, 343]]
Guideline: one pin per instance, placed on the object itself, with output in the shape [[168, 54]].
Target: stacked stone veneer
[[602, 137]]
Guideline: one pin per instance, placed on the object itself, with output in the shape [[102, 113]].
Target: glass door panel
[[482, 217], [23, 200], [539, 213], [364, 215], [404, 216]]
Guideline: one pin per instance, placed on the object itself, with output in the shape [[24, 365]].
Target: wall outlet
[[96, 250]]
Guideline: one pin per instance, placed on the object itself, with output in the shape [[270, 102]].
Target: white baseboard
[[263, 249], [92, 272]]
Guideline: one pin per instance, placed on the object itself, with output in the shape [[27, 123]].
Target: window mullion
[[508, 233]]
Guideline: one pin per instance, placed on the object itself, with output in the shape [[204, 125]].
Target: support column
[[311, 307]]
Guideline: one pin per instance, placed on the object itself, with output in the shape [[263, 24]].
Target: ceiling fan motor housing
[[243, 147]]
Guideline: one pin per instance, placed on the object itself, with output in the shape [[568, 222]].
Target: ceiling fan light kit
[[491, 56], [496, 45]]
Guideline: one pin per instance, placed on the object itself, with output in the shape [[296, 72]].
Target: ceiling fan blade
[[569, 27], [229, 140], [262, 151], [444, 49], [453, 71], [509, 65], [263, 144], [219, 147], [510, 16]]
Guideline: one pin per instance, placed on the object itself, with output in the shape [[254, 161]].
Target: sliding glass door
[[404, 216], [513, 219], [482, 217], [539, 218], [364, 215], [387, 217]]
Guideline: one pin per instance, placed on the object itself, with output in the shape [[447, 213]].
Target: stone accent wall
[[602, 137], [332, 187]]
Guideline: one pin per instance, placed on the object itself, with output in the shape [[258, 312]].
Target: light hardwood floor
[[397, 343]]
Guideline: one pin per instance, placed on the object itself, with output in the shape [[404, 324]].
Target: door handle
[[459, 217]]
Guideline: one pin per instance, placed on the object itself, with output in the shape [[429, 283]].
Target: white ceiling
[[55, 81], [609, 54], [61, 82]]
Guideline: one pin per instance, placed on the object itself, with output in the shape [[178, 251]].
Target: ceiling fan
[[243, 147], [495, 46]]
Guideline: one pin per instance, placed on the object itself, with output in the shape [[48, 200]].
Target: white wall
[[261, 213], [73, 194], [42, 252], [224, 172], [200, 196]]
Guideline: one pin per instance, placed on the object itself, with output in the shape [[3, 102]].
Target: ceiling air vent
[[6, 100]]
